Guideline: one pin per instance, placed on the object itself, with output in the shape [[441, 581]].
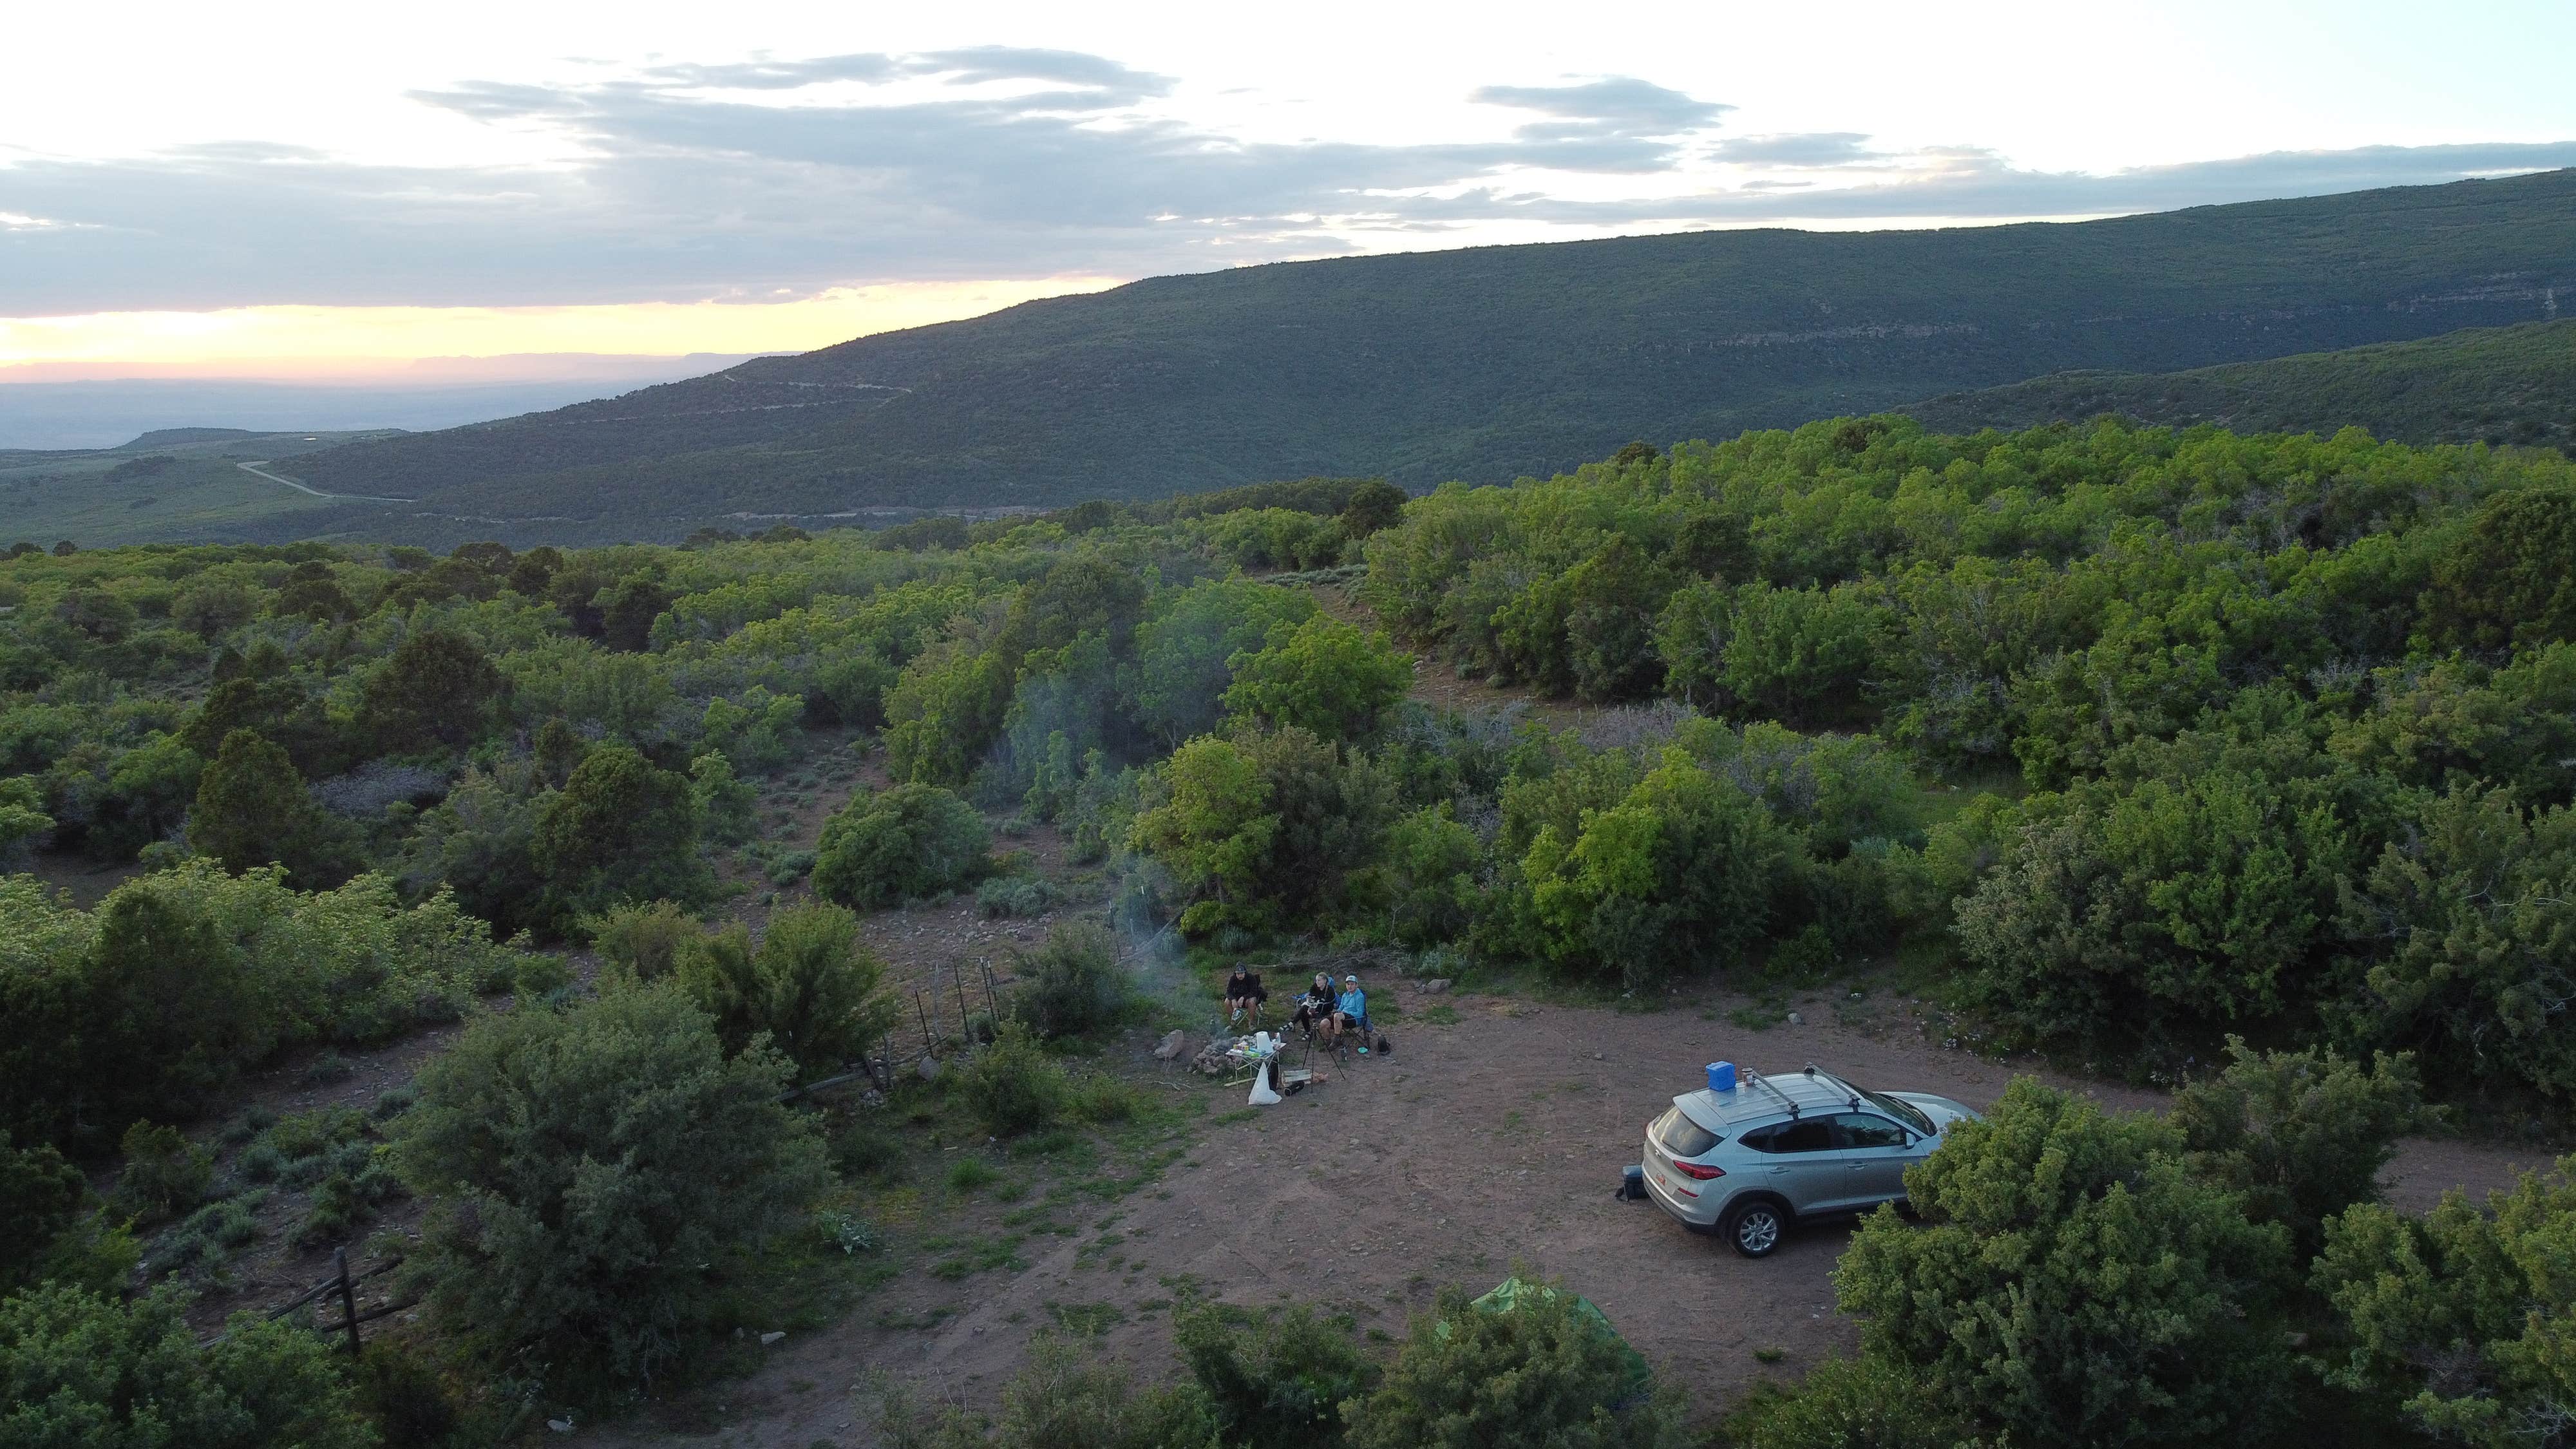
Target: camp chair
[[1361, 1034]]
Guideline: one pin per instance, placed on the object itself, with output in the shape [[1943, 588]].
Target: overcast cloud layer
[[777, 178]]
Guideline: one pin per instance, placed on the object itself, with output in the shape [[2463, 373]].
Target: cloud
[[776, 178], [1620, 103], [1113, 84], [1808, 148]]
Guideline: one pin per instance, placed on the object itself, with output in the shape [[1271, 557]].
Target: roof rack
[[1757, 1079], [1848, 1089]]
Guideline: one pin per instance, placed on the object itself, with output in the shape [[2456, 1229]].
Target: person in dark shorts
[[1244, 995], [1316, 1005]]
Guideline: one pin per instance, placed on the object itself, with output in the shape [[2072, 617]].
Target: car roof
[[1760, 1097]]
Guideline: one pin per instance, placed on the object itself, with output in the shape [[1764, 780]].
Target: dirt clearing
[[1494, 1139]]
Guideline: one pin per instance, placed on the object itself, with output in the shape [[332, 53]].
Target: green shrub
[[1013, 1086], [1321, 675], [620, 830], [909, 843], [1068, 1397], [597, 1176], [863, 1151], [644, 942], [1842, 1404], [2461, 1315], [971, 1174], [145, 1006], [2302, 1135], [1274, 1382], [539, 976], [252, 809], [2075, 1282], [403, 1393], [1804, 958], [810, 986], [89, 1370], [247, 1124], [1016, 895], [302, 1135], [206, 1238], [164, 1173], [53, 1234], [346, 1201], [1097, 1097], [1073, 984], [1539, 1372]]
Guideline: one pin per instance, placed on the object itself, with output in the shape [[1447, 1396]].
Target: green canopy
[[1508, 1294]]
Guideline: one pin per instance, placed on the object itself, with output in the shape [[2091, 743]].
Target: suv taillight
[[1698, 1171]]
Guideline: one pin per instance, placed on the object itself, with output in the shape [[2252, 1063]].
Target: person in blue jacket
[[1350, 1010]]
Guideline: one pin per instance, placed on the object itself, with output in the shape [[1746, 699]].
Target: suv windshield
[[1905, 1112], [1681, 1136]]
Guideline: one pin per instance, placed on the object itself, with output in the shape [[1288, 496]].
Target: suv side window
[[1860, 1129], [1807, 1134]]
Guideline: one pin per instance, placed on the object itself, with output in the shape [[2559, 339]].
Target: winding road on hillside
[[260, 468]]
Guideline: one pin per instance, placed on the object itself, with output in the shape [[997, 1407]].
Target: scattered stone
[[1210, 1062], [1596, 1056], [929, 1069], [767, 1339], [1435, 986], [560, 1426], [1796, 1020], [1174, 1044]]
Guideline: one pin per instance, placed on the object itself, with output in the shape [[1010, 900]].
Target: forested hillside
[[2502, 385], [2116, 742], [1481, 364]]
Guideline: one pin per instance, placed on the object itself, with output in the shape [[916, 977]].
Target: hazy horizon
[[255, 193]]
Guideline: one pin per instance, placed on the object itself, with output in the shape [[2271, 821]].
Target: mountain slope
[[1492, 362], [2489, 384]]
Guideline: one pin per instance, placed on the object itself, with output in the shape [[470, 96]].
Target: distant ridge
[[1483, 364], [170, 437], [2505, 385]]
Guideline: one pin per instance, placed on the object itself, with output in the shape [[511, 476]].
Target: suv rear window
[[1681, 1136]]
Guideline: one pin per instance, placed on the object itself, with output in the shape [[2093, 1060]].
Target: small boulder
[[1174, 1045], [928, 1068], [1435, 986], [1796, 1020], [767, 1339]]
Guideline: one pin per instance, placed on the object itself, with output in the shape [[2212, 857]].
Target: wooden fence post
[[348, 1296]]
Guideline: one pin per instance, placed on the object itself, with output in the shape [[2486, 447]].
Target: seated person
[[1350, 1009], [1315, 1008], [1244, 994]]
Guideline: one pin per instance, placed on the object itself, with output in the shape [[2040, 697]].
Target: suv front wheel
[[1756, 1227]]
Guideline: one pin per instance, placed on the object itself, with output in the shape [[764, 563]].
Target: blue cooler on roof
[[1721, 1076]]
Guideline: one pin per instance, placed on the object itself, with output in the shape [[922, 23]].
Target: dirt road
[[1494, 1139]]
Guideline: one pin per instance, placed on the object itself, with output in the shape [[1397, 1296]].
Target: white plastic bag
[[1263, 1094]]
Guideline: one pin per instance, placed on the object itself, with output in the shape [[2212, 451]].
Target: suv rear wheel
[[1756, 1227]]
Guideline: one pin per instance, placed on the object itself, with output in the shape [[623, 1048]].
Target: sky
[[314, 191]]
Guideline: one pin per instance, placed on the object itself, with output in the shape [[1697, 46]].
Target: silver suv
[[1748, 1163]]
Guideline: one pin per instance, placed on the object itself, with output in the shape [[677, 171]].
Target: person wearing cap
[[1350, 1009], [1244, 994]]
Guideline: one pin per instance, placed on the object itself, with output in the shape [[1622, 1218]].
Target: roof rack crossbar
[[1759, 1080]]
